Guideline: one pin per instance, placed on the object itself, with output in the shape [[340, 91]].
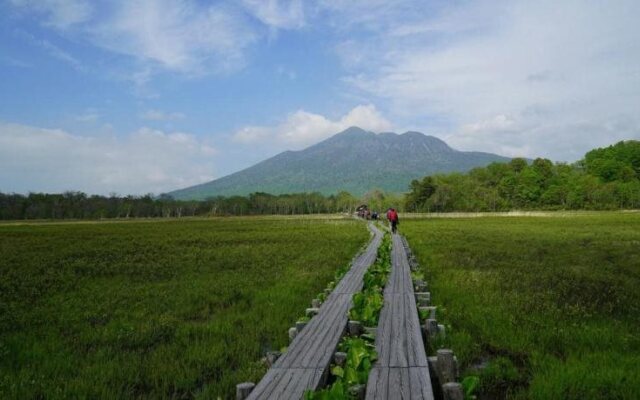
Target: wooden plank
[[286, 379], [420, 383], [266, 384], [287, 383], [417, 355], [399, 383], [405, 384], [398, 334], [334, 303], [401, 263], [394, 387], [383, 336], [401, 371], [320, 354], [316, 333], [304, 365], [376, 382]]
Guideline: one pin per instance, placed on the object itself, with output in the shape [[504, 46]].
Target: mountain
[[354, 160]]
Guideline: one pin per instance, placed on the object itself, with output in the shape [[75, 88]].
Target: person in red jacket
[[392, 216]]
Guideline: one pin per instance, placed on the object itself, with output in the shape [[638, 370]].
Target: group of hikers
[[392, 216]]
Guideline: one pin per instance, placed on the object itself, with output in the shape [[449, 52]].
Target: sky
[[148, 96]]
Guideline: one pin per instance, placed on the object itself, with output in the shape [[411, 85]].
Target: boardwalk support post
[[431, 328], [340, 358], [429, 309], [358, 391], [310, 312], [420, 285], [452, 391], [292, 333], [354, 328], [243, 390], [433, 365], [315, 303], [423, 298], [300, 325], [447, 368], [272, 357]]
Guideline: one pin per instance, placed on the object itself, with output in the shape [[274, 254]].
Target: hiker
[[392, 216]]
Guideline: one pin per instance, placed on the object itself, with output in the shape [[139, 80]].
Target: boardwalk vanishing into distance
[[402, 369], [305, 364]]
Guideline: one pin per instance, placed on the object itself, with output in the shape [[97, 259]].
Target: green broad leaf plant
[[361, 352]]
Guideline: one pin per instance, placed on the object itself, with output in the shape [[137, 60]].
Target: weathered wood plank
[[304, 365], [383, 336], [399, 383], [321, 353], [323, 329], [401, 371], [399, 343], [394, 387], [420, 383], [377, 382]]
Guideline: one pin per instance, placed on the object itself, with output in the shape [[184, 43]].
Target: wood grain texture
[[402, 369]]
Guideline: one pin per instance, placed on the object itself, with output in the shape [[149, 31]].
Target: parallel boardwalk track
[[402, 369], [305, 364]]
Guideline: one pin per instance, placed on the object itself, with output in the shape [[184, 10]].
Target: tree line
[[78, 205], [605, 179]]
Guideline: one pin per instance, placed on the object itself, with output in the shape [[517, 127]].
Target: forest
[[605, 179]]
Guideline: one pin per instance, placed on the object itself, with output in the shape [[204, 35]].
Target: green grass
[[180, 309], [550, 306]]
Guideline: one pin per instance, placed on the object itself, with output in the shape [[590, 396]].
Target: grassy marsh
[[538, 307], [150, 309]]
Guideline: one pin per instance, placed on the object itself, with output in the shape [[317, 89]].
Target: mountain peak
[[354, 131], [355, 160]]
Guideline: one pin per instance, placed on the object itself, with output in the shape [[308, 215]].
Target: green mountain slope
[[354, 160]]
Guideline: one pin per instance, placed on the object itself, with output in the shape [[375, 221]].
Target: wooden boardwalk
[[305, 364], [402, 369]]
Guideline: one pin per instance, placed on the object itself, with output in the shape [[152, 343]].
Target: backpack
[[393, 216]]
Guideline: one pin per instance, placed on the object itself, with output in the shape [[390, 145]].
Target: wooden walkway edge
[[305, 364], [402, 369]]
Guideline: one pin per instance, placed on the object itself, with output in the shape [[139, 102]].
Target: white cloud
[[60, 14], [51, 49], [497, 123], [184, 36], [178, 35], [253, 134], [303, 128], [561, 74], [52, 160], [156, 115], [279, 14]]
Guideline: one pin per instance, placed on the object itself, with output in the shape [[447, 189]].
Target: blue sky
[[152, 95]]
